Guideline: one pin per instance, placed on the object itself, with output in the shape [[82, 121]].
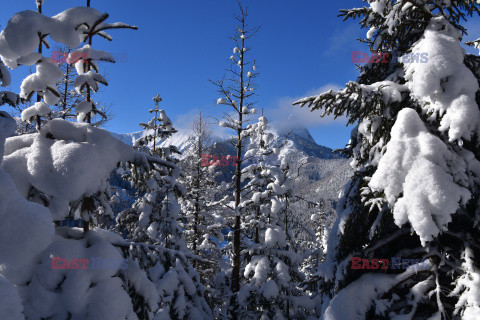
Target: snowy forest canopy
[[174, 225]]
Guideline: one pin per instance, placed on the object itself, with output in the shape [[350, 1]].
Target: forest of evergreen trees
[[202, 237]]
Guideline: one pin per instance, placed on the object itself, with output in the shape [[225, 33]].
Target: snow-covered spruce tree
[[414, 194], [236, 92], [314, 251], [158, 129], [269, 287], [171, 283], [154, 220], [154, 217], [257, 175], [110, 287], [88, 80], [202, 205], [63, 162], [266, 169]]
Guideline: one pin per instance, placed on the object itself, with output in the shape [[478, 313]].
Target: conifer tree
[[202, 203], [154, 220], [255, 206], [70, 27], [154, 217], [157, 129], [314, 255], [236, 92], [271, 275], [88, 80], [203, 207], [413, 198]]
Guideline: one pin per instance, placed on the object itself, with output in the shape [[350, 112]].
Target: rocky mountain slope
[[321, 172]]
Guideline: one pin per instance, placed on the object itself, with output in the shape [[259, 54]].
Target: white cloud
[[343, 39], [285, 112], [282, 112], [184, 121]]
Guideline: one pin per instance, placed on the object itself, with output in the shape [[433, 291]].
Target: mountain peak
[[299, 137]]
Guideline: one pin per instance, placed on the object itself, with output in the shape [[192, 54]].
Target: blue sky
[[302, 49]]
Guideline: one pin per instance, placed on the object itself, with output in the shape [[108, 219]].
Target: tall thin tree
[[236, 91]]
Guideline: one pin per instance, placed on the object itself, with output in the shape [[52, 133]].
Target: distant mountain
[[179, 139], [321, 172], [304, 142], [299, 139], [127, 138]]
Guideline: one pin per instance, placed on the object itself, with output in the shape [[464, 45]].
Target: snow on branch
[[88, 53], [444, 86], [69, 27], [10, 98], [43, 81], [68, 161], [351, 100], [90, 79], [38, 109], [5, 77], [416, 158]]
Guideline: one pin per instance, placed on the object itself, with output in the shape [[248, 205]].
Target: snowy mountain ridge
[[319, 168], [179, 139], [297, 138], [321, 173]]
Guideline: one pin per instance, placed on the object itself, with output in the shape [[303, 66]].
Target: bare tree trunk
[[238, 176], [238, 188], [86, 224], [39, 98], [237, 227], [89, 99], [197, 185], [65, 91]]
